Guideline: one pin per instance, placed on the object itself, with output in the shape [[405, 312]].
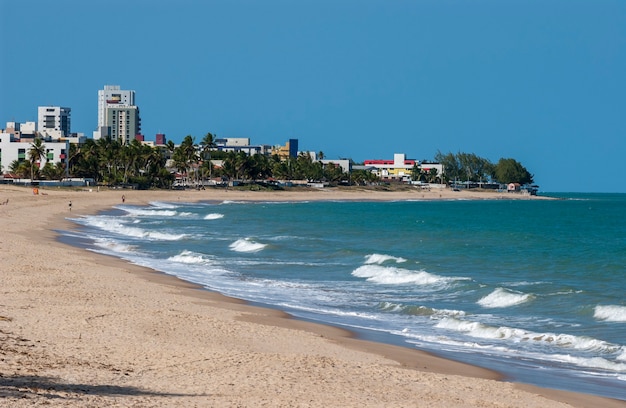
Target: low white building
[[241, 144], [345, 164], [12, 148]]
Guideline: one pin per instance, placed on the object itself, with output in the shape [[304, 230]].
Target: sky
[[543, 82]]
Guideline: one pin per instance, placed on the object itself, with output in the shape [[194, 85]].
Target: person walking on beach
[[123, 198], [70, 205]]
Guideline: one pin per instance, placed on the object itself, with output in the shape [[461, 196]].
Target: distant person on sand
[[123, 198], [70, 205]]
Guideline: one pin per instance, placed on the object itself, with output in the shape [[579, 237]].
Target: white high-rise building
[[112, 97], [54, 121]]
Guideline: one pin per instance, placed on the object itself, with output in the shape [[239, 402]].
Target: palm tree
[[36, 152], [53, 171], [20, 168], [208, 143], [185, 155], [109, 157]]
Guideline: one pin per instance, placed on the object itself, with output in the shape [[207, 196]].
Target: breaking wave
[[568, 341], [380, 259], [504, 298], [213, 216], [111, 225], [419, 310], [188, 257], [114, 246], [610, 313], [396, 276], [247, 245], [147, 212]]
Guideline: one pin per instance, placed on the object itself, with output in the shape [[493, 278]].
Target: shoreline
[[116, 305]]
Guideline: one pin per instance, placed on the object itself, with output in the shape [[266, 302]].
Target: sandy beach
[[82, 329]]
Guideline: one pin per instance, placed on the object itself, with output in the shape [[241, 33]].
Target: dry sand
[[82, 329]]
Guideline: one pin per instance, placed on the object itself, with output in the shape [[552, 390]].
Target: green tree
[[53, 171], [186, 156], [36, 153], [20, 168], [464, 166], [452, 166], [208, 143], [511, 171], [333, 173]]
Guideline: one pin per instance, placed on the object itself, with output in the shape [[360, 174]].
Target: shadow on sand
[[48, 387]]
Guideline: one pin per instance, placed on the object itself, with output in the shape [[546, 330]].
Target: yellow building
[[290, 149]]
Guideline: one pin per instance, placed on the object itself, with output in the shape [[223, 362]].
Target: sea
[[534, 289]]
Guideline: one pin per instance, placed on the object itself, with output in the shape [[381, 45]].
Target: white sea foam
[[160, 204], [146, 212], [114, 246], [246, 245], [480, 330], [380, 259], [188, 257], [504, 298], [420, 310], [593, 362], [396, 276], [213, 216], [610, 313], [112, 225]]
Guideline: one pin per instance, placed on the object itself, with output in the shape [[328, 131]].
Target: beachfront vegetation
[[109, 162], [472, 168]]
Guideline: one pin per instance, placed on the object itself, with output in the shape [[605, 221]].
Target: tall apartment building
[[115, 104], [123, 122], [54, 121]]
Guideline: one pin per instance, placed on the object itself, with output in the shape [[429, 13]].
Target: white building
[[17, 129], [112, 97], [240, 144], [53, 121], [345, 164], [12, 148]]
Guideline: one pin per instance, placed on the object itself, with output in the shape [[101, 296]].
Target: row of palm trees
[[109, 162]]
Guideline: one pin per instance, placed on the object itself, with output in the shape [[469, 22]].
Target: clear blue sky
[[542, 81]]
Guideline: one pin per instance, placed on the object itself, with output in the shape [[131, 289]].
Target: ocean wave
[[247, 245], [160, 204], [380, 259], [188, 257], [147, 212], [523, 283], [569, 341], [110, 224], [419, 310], [213, 216], [114, 246], [503, 298], [591, 362], [396, 276], [610, 313]]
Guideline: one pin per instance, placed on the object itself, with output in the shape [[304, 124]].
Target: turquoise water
[[532, 288]]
